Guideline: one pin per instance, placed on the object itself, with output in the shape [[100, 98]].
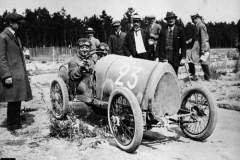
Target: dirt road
[[34, 143]]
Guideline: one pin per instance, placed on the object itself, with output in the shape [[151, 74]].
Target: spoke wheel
[[59, 98], [202, 121], [125, 119]]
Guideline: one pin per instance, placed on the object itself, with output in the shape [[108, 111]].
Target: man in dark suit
[[14, 83], [136, 41], [171, 45], [115, 41]]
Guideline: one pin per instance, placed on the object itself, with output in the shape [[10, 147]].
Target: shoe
[[14, 126], [208, 80], [193, 77]]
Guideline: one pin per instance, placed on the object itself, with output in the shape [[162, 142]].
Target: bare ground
[[33, 141]]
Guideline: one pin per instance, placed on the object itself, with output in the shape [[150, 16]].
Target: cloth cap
[[136, 17], [150, 17], [170, 15], [14, 17], [194, 16], [90, 30], [84, 42], [116, 23]]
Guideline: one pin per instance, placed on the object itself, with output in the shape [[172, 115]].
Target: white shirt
[[11, 30], [140, 48], [171, 28]]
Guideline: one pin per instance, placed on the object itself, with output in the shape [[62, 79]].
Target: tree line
[[43, 29]]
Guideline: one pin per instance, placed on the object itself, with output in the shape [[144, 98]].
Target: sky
[[211, 10]]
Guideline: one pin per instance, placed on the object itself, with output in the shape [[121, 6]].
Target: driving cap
[[14, 17], [136, 17], [150, 17], [90, 30], [116, 23], [170, 15], [194, 16]]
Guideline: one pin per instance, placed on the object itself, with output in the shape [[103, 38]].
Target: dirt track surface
[[33, 142]]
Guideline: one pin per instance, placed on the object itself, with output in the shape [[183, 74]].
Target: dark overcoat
[[129, 45], [12, 64], [179, 45]]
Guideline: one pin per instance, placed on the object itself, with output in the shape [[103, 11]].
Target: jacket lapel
[[143, 35], [175, 30]]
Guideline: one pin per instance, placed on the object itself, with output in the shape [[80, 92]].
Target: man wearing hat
[[136, 41], [14, 83], [171, 46], [200, 48], [95, 42], [115, 41], [154, 29]]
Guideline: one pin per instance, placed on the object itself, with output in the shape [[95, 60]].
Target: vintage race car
[[138, 95]]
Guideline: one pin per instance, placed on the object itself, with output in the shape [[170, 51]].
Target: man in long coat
[[14, 83], [154, 29], [200, 47], [171, 41], [136, 41], [115, 41]]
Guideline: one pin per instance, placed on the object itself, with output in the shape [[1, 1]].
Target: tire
[[125, 119], [203, 120], [59, 98]]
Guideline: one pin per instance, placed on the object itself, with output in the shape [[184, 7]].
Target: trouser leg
[[206, 71], [13, 112], [191, 68]]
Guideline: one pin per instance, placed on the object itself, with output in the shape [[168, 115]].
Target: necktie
[[136, 30], [170, 31]]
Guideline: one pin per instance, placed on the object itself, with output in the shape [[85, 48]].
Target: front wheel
[[59, 98], [203, 108], [125, 119]]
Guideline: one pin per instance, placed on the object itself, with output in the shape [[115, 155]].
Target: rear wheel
[[125, 119], [59, 98], [201, 123]]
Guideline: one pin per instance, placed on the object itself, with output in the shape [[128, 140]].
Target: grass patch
[[74, 129]]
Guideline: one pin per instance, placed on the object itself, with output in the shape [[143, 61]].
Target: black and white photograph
[[119, 79]]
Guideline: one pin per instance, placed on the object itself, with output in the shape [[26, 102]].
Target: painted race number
[[123, 71]]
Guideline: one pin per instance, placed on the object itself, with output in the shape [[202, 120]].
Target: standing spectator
[[136, 41], [154, 29], [115, 41], [237, 44], [26, 54], [95, 42], [14, 84], [170, 41], [200, 48]]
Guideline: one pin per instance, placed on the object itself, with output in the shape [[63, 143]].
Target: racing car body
[[136, 93]]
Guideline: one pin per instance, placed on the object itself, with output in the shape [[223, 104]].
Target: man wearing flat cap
[[95, 42], [115, 41], [136, 41], [200, 48], [171, 46], [14, 83], [154, 29]]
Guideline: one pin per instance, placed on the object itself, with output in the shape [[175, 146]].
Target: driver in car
[[82, 62]]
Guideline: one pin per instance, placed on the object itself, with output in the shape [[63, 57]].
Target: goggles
[[84, 44], [103, 48]]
